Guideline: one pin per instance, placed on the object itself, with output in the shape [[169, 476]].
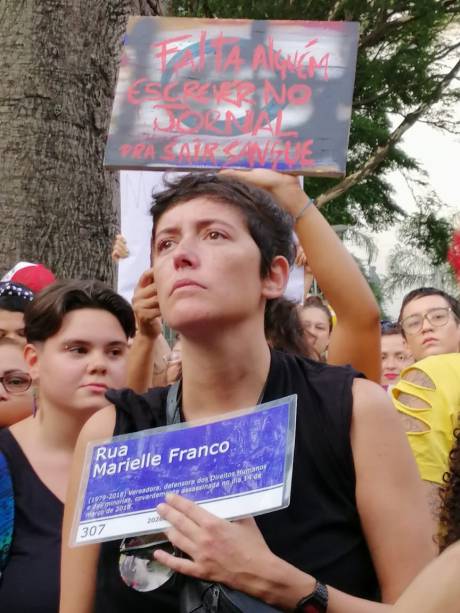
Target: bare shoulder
[[99, 425], [372, 401], [451, 555]]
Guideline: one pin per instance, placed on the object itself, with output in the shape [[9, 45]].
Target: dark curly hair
[[449, 520]]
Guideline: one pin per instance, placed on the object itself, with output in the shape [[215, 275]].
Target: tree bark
[[57, 79]]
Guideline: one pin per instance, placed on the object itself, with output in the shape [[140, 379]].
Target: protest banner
[[209, 93], [236, 465]]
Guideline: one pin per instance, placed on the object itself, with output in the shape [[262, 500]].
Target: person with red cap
[[34, 276]]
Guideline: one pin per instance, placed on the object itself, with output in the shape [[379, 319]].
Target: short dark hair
[[14, 296], [317, 303], [44, 316], [430, 291], [269, 225], [390, 328]]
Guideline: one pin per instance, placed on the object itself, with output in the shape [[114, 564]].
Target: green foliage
[[398, 68], [427, 232]]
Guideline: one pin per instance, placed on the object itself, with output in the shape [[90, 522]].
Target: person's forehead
[[11, 319], [314, 314], [424, 303], [90, 324], [392, 342], [199, 209]]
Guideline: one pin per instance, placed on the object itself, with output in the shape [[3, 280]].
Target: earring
[[34, 402]]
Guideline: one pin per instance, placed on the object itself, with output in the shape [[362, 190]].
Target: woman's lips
[[96, 387], [185, 283]]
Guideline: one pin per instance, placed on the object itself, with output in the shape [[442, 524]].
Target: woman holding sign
[[357, 525], [76, 349]]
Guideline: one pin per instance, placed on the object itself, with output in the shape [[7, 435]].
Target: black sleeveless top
[[320, 532], [30, 581]]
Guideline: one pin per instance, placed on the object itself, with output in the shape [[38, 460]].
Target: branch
[[380, 33], [444, 125], [334, 12], [382, 152], [446, 51]]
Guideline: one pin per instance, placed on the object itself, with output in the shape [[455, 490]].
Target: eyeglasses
[[436, 317], [16, 381]]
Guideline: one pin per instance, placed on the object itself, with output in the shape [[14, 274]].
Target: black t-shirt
[[30, 582], [320, 532]]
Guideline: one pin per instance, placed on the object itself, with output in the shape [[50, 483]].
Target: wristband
[[304, 210], [316, 602]]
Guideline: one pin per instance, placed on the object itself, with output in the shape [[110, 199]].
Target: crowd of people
[[373, 521]]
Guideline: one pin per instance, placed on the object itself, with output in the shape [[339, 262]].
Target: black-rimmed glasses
[[16, 381], [437, 317]]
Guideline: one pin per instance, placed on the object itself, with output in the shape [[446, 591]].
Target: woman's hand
[[233, 553], [120, 248], [285, 189], [146, 307], [301, 258]]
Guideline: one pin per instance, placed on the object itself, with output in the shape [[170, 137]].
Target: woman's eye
[[214, 235], [115, 353], [76, 349], [164, 244]]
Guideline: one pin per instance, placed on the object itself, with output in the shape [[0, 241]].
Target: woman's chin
[[192, 323]]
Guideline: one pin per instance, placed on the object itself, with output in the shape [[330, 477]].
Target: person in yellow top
[[428, 399]]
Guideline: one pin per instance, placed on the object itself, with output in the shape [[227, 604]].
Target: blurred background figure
[[427, 397], [15, 388], [14, 298], [34, 276], [317, 324], [120, 248], [395, 353], [284, 328]]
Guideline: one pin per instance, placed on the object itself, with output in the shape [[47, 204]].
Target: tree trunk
[[57, 78]]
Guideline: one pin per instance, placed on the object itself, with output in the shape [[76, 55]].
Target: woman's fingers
[[146, 278], [191, 510], [120, 248], [180, 541], [183, 566], [179, 520]]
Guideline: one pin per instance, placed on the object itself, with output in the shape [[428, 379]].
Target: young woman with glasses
[[77, 335], [15, 384], [430, 321]]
